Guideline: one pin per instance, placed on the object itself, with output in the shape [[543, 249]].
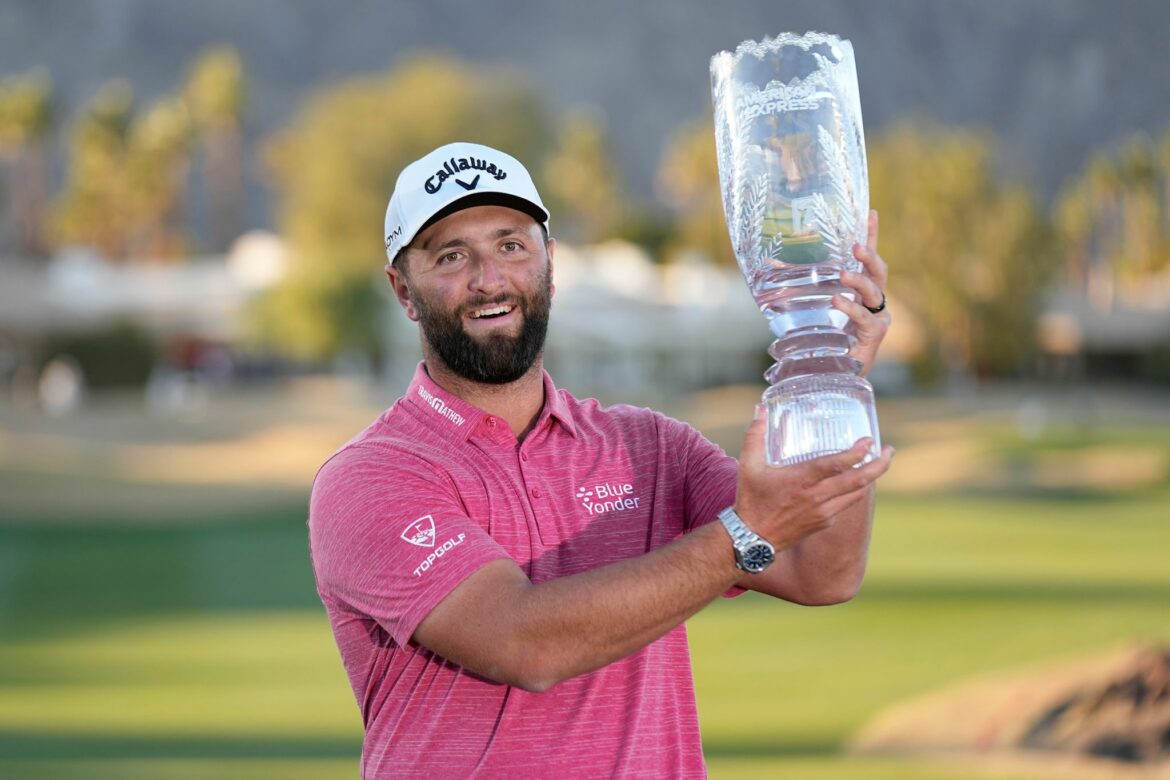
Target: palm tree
[[26, 115], [157, 163], [1113, 219], [582, 181], [216, 95], [93, 208]]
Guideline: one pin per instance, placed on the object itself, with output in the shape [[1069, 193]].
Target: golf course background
[[158, 617]]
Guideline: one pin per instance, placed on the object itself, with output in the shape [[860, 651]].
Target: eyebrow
[[459, 241]]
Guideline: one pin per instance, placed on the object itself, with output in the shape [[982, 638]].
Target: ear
[[551, 246], [402, 291]]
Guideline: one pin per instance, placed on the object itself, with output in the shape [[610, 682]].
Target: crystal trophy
[[795, 188]]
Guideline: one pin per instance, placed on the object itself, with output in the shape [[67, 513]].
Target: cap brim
[[487, 199]]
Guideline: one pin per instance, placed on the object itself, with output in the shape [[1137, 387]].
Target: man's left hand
[[868, 327]]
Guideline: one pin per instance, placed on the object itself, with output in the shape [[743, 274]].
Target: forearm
[[826, 567], [586, 621], [534, 636]]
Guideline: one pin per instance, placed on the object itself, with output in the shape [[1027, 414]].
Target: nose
[[486, 277]]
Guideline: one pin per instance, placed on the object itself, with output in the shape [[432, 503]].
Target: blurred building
[[77, 321], [623, 326], [78, 290], [1105, 331]]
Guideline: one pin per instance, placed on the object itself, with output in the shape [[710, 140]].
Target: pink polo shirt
[[436, 488]]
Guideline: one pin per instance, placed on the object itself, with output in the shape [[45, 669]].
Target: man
[[507, 569]]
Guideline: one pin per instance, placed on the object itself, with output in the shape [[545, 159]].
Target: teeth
[[491, 312]]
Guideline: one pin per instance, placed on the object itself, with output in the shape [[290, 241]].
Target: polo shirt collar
[[557, 407], [456, 419]]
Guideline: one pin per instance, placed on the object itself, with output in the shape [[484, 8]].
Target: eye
[[511, 246], [448, 259]]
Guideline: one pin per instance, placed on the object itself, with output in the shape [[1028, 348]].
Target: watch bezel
[[756, 556]]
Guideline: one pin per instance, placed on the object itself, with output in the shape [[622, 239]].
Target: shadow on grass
[[989, 593], [27, 746], [57, 579], [724, 748], [71, 576], [1045, 591], [31, 746], [1024, 494]]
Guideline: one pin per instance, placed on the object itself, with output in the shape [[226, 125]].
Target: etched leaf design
[[836, 226], [775, 246], [724, 148], [739, 162], [750, 227], [759, 208]]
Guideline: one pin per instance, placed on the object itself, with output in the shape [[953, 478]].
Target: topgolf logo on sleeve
[[421, 532]]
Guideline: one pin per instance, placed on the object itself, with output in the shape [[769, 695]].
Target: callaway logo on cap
[[454, 177]]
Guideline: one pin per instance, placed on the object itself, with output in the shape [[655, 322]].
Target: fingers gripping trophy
[[792, 171]]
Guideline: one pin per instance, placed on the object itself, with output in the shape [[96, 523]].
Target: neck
[[518, 403]]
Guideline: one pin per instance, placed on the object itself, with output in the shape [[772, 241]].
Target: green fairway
[[956, 588], [192, 651], [196, 647], [200, 651]]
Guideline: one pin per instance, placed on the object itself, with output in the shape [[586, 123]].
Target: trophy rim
[[769, 44]]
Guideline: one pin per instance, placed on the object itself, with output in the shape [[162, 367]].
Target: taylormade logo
[[440, 407], [456, 165], [608, 497]]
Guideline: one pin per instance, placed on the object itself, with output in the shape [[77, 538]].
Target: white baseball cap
[[454, 177]]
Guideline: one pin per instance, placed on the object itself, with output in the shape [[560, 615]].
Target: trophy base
[[810, 415]]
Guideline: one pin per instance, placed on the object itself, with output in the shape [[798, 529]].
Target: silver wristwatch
[[753, 554]]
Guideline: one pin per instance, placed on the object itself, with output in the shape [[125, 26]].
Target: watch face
[[757, 557]]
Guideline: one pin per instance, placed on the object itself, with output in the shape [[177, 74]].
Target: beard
[[499, 358]]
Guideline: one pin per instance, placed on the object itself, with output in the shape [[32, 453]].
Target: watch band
[[741, 535]]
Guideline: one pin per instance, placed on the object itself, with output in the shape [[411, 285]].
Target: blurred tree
[[93, 208], [969, 253], [334, 168], [583, 187], [216, 95], [157, 161], [26, 116], [688, 181], [115, 354], [1113, 220]]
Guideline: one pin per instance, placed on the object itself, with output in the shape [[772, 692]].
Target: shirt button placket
[[534, 492]]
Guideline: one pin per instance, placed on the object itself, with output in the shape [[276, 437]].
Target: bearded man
[[507, 568]]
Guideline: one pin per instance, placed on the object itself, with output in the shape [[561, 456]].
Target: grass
[[191, 651], [957, 587], [199, 649]]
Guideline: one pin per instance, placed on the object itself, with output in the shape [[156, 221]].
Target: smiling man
[[506, 568]]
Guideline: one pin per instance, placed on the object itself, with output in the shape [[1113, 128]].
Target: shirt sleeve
[[390, 537]]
